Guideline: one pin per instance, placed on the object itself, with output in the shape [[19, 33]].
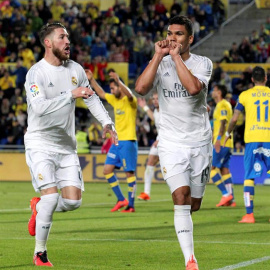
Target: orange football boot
[[192, 264], [32, 220], [144, 196], [224, 200], [119, 205], [129, 209], [248, 218], [40, 259]]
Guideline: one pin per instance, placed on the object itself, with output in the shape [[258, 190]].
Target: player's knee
[[195, 205], [107, 171], [71, 205]]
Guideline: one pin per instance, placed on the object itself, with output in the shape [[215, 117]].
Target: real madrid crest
[[74, 81], [164, 170]]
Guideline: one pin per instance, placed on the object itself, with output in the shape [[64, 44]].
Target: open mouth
[[67, 50]]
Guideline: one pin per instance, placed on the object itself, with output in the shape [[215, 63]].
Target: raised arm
[[142, 103], [100, 92], [191, 83], [122, 86], [145, 81]]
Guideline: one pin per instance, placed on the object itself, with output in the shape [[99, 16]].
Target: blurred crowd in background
[[123, 33]]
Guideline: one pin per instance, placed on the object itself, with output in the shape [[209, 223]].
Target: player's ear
[[48, 42], [190, 39]]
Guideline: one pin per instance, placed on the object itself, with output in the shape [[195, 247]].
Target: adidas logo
[[166, 74], [50, 84]]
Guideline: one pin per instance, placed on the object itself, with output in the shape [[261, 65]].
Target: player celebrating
[[255, 102], [153, 158], [184, 148], [221, 155], [125, 154], [52, 85]]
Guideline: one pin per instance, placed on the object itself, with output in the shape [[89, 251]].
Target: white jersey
[[51, 108], [156, 119], [183, 118]]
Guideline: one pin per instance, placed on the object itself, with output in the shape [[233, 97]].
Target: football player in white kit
[[52, 85], [185, 150], [153, 158]]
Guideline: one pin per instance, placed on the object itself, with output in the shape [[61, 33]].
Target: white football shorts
[[183, 166], [153, 151], [50, 169]]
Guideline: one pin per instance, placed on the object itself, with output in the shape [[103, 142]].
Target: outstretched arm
[[142, 103], [94, 84], [122, 86]]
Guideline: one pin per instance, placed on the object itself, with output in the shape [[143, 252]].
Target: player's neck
[[259, 84], [218, 99], [52, 59], [185, 56]]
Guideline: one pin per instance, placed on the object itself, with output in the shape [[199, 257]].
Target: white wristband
[[145, 108], [227, 134]]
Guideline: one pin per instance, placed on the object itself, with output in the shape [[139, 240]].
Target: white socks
[[184, 230], [45, 208], [67, 204], [148, 176]]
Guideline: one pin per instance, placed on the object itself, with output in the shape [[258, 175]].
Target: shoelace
[[43, 256]]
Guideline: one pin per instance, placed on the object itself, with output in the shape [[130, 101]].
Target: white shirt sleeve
[[94, 104], [36, 95], [204, 70], [98, 110]]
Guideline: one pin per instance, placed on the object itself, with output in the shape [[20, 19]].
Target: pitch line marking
[[246, 263], [85, 205], [135, 240]]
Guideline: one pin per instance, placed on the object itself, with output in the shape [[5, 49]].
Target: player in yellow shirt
[[255, 101], [220, 173], [125, 154]]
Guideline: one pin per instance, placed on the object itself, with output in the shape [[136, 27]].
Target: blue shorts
[[256, 154], [221, 159], [123, 155]]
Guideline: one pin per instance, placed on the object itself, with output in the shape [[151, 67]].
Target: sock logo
[[183, 231]]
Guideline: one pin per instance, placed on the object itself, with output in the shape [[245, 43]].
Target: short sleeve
[[204, 70], [110, 98]]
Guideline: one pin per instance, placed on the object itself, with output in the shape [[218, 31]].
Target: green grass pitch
[[94, 238]]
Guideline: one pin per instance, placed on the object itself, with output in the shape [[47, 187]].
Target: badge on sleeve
[[34, 90], [223, 112]]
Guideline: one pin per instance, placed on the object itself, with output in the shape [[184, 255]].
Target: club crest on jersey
[[34, 90], [164, 170], [74, 81], [257, 167], [40, 177]]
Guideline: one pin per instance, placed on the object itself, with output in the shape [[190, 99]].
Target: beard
[[59, 54]]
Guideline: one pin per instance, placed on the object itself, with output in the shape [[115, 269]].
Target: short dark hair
[[113, 81], [223, 90], [258, 74], [48, 29], [183, 20]]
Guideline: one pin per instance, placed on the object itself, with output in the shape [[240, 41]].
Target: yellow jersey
[[125, 113], [255, 102], [223, 111]]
